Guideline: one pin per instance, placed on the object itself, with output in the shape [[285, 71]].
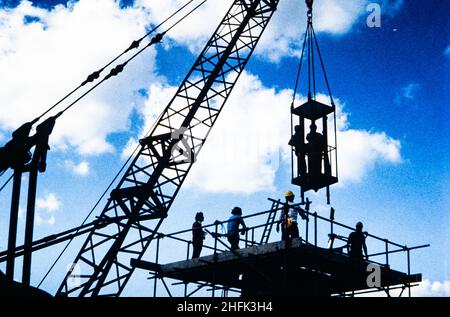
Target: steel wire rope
[[95, 75], [123, 166]]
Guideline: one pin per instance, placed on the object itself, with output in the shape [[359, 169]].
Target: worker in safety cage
[[357, 243], [300, 150], [198, 235], [233, 227], [316, 147], [288, 218]]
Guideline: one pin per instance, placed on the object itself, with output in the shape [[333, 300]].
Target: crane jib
[[147, 190]]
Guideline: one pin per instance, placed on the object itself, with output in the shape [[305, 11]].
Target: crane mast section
[[148, 188]]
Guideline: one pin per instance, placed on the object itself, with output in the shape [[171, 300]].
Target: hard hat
[[289, 194]]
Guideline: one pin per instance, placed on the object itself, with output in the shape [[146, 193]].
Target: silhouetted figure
[[288, 218], [300, 151], [233, 227], [197, 235], [357, 243], [316, 149], [16, 152]]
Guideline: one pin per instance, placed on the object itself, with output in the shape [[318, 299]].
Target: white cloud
[[283, 34], [432, 289], [22, 213], [50, 203], [196, 29], [360, 151], [407, 93], [426, 288], [43, 61], [81, 169], [39, 218], [42, 221], [47, 205], [243, 150]]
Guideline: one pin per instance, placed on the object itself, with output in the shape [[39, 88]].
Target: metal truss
[[145, 194]]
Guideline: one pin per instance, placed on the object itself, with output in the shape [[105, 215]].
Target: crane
[[141, 201], [120, 236]]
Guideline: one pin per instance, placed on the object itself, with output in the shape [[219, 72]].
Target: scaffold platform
[[279, 268]]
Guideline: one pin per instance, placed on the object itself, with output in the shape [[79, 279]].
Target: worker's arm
[[349, 240], [280, 220], [302, 213], [244, 227]]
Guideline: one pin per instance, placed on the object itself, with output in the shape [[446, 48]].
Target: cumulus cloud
[[43, 60], [432, 289], [49, 203], [46, 53], [46, 206], [40, 220], [426, 288], [249, 142], [283, 34], [81, 169]]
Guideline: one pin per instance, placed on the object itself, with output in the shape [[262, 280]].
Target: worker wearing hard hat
[[288, 218]]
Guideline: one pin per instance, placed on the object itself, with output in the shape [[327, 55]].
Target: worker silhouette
[[288, 218], [316, 150], [233, 227], [198, 235], [16, 152], [357, 243], [300, 151]]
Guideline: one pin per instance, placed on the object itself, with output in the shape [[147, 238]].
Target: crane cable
[[114, 72], [95, 75], [310, 34], [98, 201], [7, 182], [126, 162], [119, 68], [311, 38]]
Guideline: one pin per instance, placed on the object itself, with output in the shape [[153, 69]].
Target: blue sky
[[391, 84]]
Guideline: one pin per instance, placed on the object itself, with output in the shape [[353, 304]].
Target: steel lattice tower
[[143, 197]]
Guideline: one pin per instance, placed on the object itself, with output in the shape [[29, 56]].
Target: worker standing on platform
[[198, 235], [288, 218], [315, 151], [357, 243], [300, 150], [233, 227]]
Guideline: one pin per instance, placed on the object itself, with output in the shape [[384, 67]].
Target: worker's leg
[[197, 249], [283, 234], [294, 230], [234, 241]]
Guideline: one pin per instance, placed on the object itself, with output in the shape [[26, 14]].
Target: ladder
[[270, 221]]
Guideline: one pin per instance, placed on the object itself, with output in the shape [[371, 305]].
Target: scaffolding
[[267, 267]]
